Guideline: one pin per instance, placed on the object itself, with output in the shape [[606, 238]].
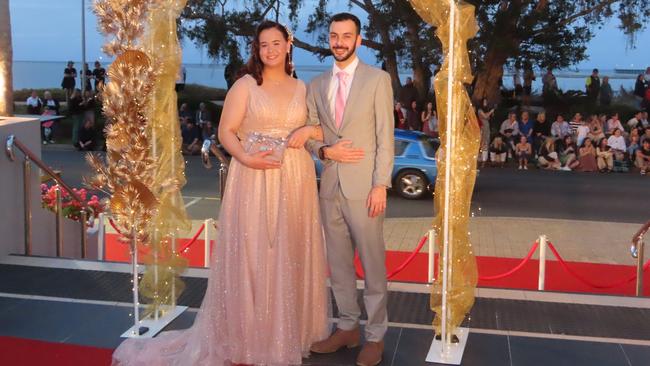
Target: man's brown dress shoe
[[340, 338], [371, 354]]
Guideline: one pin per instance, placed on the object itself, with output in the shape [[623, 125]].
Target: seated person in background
[[646, 134], [617, 144], [34, 103], [604, 156], [509, 131], [208, 131], [192, 138], [633, 145], [643, 157], [596, 129], [613, 124], [203, 115], [523, 151], [587, 157], [644, 120], [86, 137], [184, 114], [498, 152], [635, 121], [50, 108], [582, 132], [574, 123], [541, 130], [548, 157], [568, 154], [560, 127]]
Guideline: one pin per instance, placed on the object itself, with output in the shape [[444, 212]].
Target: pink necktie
[[339, 105]]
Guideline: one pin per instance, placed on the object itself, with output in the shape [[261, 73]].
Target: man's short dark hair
[[341, 17]]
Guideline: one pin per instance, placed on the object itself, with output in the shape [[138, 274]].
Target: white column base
[[453, 353], [155, 326]]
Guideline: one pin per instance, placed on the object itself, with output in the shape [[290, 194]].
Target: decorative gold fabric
[[463, 126]]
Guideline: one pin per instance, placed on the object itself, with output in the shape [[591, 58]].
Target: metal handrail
[[11, 142], [637, 251], [210, 146]]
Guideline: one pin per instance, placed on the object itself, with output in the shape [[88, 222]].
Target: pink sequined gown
[[266, 300]]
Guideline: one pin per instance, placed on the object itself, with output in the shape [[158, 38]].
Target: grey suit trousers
[[348, 226]]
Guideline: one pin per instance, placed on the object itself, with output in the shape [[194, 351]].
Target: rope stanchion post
[[136, 295], [639, 267], [173, 289], [101, 236], [206, 243], [542, 263], [431, 274]]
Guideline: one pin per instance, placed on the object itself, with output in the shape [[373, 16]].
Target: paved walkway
[[581, 241]]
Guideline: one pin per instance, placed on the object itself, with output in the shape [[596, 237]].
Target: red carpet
[[28, 352], [526, 278]]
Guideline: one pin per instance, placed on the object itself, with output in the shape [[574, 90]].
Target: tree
[[6, 57], [545, 33]]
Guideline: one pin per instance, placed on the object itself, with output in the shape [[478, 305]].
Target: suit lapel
[[324, 96], [355, 92]]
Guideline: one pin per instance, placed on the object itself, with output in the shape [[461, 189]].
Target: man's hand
[[343, 152], [376, 202]]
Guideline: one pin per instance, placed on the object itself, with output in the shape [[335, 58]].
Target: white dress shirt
[[334, 84]]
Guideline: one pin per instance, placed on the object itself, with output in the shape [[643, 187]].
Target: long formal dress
[[266, 300]]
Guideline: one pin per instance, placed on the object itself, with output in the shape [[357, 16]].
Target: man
[[34, 103], [184, 114], [202, 115], [353, 103], [549, 82], [592, 85], [99, 74], [560, 128], [192, 138], [633, 122], [408, 93]]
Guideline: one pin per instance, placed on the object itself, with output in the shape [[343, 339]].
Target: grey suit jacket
[[367, 122]]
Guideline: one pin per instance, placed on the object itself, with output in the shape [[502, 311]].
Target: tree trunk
[[6, 58], [487, 79], [420, 72]]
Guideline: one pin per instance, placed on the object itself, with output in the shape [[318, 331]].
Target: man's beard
[[346, 56]]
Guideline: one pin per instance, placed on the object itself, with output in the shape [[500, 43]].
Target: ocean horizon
[[48, 75]]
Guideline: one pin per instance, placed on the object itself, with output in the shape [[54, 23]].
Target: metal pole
[[223, 175], [173, 289], [101, 233], [542, 263], [84, 234], [134, 269], [639, 267], [432, 252], [83, 45], [59, 222], [206, 243], [27, 199]]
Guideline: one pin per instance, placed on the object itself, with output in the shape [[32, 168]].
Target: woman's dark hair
[[341, 17], [600, 142], [255, 66]]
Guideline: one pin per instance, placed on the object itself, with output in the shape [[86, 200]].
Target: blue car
[[415, 168]]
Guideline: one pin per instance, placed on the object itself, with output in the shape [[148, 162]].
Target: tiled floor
[[101, 326]]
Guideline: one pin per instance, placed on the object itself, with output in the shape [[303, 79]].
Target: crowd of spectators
[[195, 128], [597, 143]]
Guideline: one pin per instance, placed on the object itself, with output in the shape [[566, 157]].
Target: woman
[[606, 93], [266, 297], [523, 151], [616, 142], [400, 119], [86, 137], [587, 160], [485, 113], [596, 127], [568, 152], [498, 152], [48, 126], [548, 158], [604, 157], [429, 120], [413, 117], [613, 124], [76, 111]]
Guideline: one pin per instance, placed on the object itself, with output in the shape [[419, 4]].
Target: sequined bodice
[[270, 117]]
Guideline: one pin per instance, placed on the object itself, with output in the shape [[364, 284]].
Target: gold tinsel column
[[465, 134], [144, 169]]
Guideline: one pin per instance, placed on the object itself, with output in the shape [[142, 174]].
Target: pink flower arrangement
[[71, 208]]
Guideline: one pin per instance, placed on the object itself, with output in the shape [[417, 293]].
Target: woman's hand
[[260, 160], [299, 137]]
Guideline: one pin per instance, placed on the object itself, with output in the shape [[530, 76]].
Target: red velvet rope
[[193, 240], [401, 267], [585, 281], [515, 269]]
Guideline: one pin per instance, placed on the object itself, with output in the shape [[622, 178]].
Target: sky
[[50, 30]]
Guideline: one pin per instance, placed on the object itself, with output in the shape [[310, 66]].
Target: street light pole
[[83, 45]]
